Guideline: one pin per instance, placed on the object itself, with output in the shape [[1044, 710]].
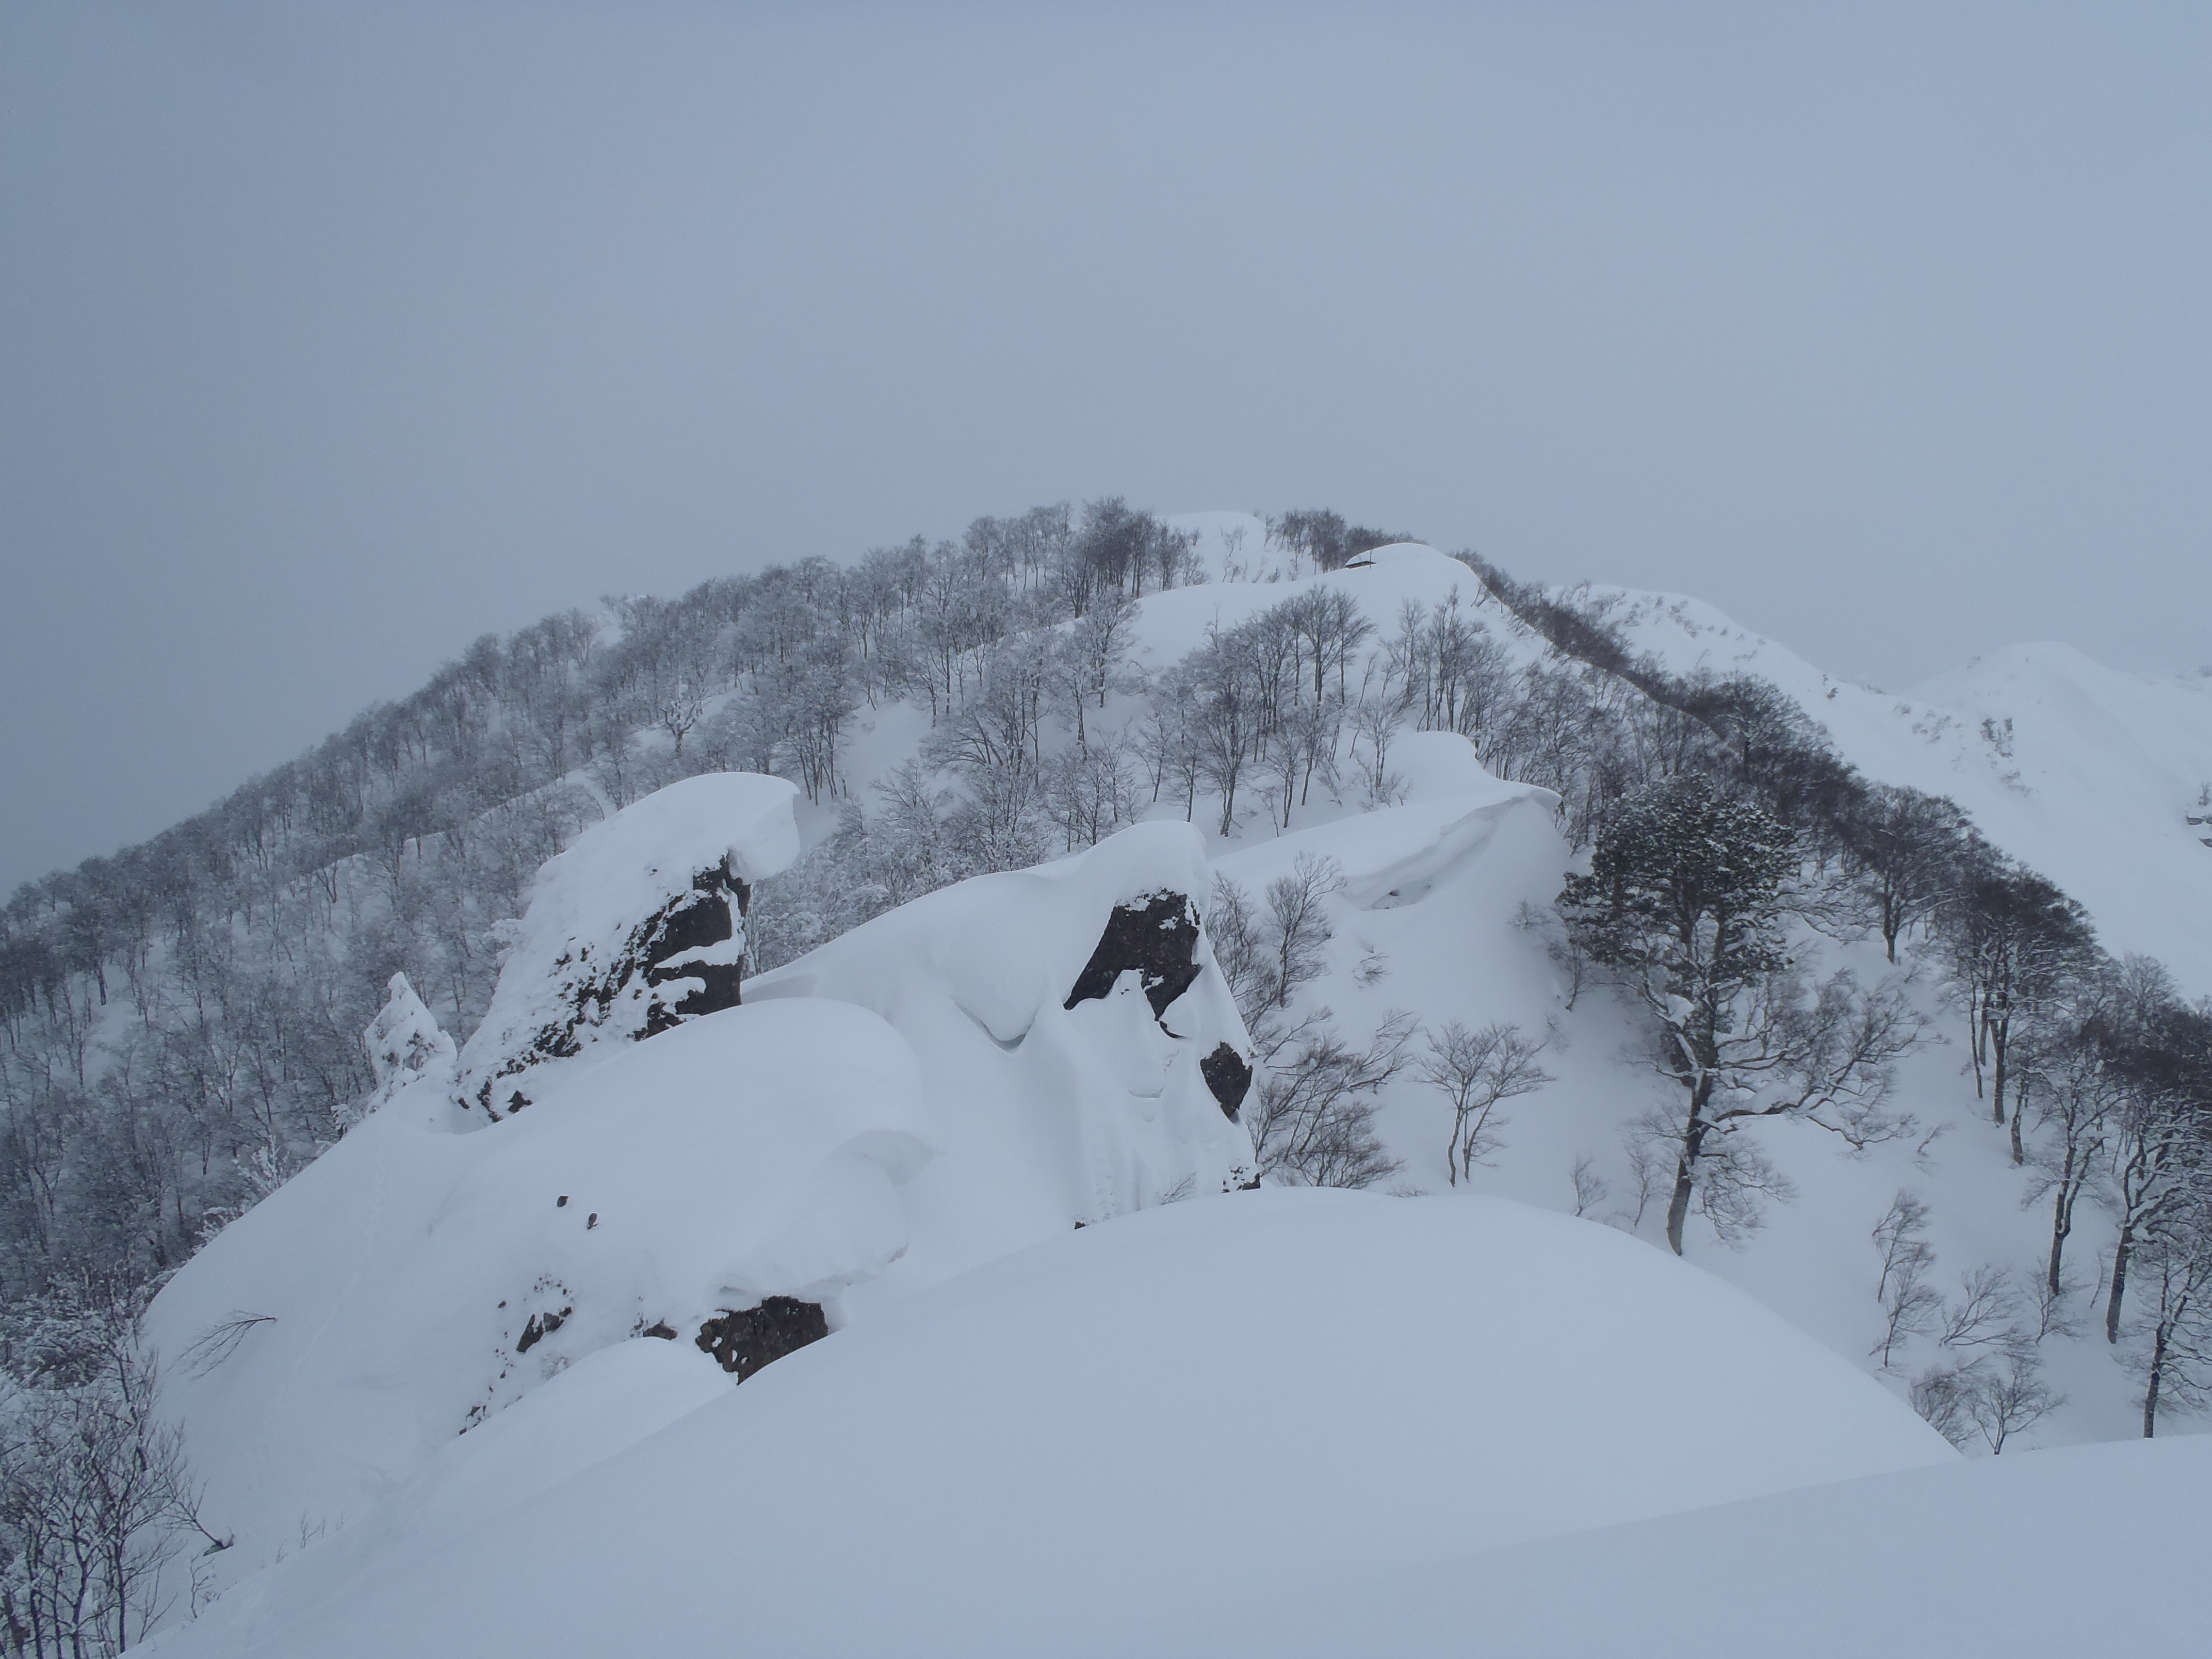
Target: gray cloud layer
[[332, 336]]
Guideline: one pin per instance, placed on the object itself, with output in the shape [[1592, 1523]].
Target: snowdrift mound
[[1081, 1053], [635, 928], [413, 1282], [1126, 1434], [1397, 855]]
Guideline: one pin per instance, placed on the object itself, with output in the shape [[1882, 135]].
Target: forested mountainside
[[1794, 971]]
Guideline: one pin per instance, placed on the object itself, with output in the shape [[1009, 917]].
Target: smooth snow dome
[[414, 1281], [1125, 1435]]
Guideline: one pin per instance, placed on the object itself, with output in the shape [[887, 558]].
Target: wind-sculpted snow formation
[[637, 928], [1064, 1017], [928, 1093]]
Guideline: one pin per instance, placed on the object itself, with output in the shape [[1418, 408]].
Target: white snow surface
[[1120, 1441], [1925, 1562], [907, 1103]]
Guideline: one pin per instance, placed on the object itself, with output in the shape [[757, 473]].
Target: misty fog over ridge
[[334, 338]]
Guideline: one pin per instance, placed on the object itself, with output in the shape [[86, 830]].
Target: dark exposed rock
[[1157, 936], [1228, 1076], [743, 1341], [699, 919], [661, 1328], [540, 1327]]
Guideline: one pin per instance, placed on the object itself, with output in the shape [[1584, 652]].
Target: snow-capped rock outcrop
[[635, 928], [1079, 1048]]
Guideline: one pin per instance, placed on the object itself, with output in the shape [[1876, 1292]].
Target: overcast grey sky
[[332, 336]]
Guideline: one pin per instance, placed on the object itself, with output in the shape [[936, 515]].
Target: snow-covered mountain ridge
[[957, 1193], [2090, 775]]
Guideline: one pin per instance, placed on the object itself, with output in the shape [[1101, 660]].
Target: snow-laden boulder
[[1128, 1439], [414, 1282], [636, 928], [407, 1046], [1080, 1050]]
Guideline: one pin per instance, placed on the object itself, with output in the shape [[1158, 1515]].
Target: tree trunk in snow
[[1693, 1137], [2120, 1254]]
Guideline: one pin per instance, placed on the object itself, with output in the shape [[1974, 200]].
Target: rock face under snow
[[1155, 935], [743, 1342], [637, 928]]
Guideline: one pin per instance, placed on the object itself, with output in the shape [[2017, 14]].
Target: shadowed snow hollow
[[1110, 1442]]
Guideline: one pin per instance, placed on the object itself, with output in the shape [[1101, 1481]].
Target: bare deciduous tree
[[1313, 1119], [1476, 1071]]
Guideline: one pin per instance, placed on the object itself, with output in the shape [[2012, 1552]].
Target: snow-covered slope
[[1110, 1442], [1928, 1562], [417, 1280], [2089, 774]]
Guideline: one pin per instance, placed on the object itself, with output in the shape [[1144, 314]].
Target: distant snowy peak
[[637, 928], [2090, 775]]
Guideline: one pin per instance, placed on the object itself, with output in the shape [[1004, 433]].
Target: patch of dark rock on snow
[[540, 1327], [743, 1341], [1228, 1076], [1156, 935]]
